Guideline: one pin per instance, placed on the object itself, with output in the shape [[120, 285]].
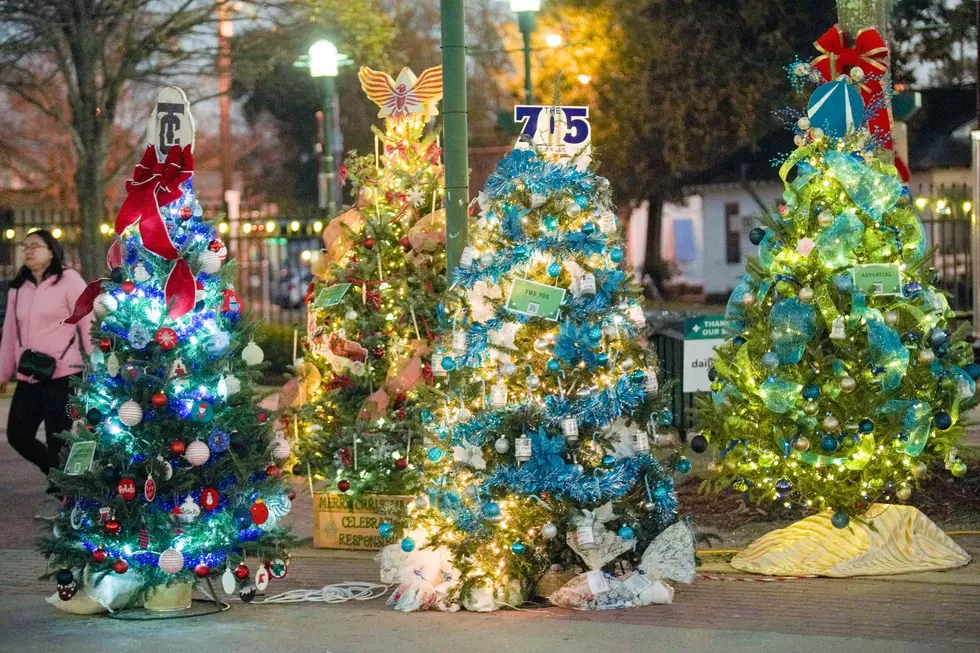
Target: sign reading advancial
[[561, 131], [535, 299], [80, 458], [701, 335], [331, 296], [878, 279]]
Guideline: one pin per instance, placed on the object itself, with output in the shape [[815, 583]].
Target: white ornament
[[232, 383], [806, 294], [261, 578], [459, 342], [228, 582], [537, 199], [891, 318], [436, 365], [279, 448], [508, 369], [189, 511], [856, 74], [171, 561], [502, 445], [569, 428], [104, 304], [130, 413], [140, 273], [498, 395], [803, 123], [586, 284], [573, 209], [540, 345], [351, 314], [197, 453], [549, 531], [486, 260], [112, 364], [837, 331], [532, 382], [252, 354], [467, 257], [209, 262], [522, 449], [607, 222]]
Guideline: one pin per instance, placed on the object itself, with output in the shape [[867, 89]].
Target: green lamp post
[[324, 62], [526, 11]]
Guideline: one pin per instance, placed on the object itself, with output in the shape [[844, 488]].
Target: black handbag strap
[[17, 325]]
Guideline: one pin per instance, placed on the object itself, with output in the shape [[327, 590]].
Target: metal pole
[[975, 208], [454, 127], [329, 169], [224, 94], [525, 20]]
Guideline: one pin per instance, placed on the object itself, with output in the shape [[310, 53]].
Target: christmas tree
[[843, 378], [172, 473], [545, 403], [372, 310]]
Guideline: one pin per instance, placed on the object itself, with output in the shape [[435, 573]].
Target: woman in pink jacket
[[41, 296]]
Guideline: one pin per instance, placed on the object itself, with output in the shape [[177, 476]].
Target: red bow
[[373, 299], [870, 54], [339, 381], [155, 185]]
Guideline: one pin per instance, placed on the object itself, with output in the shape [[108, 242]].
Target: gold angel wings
[[405, 96]]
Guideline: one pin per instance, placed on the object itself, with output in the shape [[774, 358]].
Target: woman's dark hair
[[56, 267]]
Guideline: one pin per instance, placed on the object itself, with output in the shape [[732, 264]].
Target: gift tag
[[261, 578], [436, 365], [607, 222], [498, 395], [467, 257], [637, 582], [585, 536], [597, 582], [522, 448], [459, 342], [228, 582], [587, 284], [641, 443]]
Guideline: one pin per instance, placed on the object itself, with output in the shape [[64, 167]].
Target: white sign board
[[701, 336], [563, 132], [171, 122]]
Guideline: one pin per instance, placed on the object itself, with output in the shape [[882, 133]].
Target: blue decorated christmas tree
[[545, 407]]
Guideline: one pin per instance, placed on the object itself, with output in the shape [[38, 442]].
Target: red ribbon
[[154, 185], [373, 299], [339, 381], [870, 54]]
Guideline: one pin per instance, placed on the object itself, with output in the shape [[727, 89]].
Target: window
[[733, 234]]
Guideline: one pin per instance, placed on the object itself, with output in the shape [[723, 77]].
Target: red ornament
[[343, 485], [369, 243], [241, 572], [209, 498], [73, 412], [105, 345], [400, 413], [273, 471], [405, 243], [99, 555], [128, 287], [185, 213], [401, 463], [202, 570], [158, 399], [291, 495], [120, 566], [232, 303], [262, 417], [166, 338], [259, 511], [126, 488], [177, 447], [112, 527], [150, 489], [378, 352]]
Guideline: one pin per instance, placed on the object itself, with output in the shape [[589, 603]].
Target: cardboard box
[[343, 522]]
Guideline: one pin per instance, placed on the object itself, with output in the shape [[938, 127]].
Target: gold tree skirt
[[888, 539]]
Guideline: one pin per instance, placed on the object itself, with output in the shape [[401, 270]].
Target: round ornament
[[187, 512], [242, 572], [112, 527], [177, 447], [502, 445], [202, 411], [209, 498], [699, 444], [99, 555], [259, 512], [549, 531], [166, 338], [401, 464], [386, 530], [683, 466], [756, 235], [279, 448], [201, 570], [840, 519], [369, 243], [130, 413], [252, 354], [408, 545], [847, 383], [93, 416], [197, 453], [903, 493], [126, 488], [825, 218], [159, 400], [836, 108], [209, 262], [518, 548], [104, 304], [958, 469], [171, 561], [120, 566], [806, 294], [278, 568], [942, 420], [218, 343], [802, 443], [219, 248]]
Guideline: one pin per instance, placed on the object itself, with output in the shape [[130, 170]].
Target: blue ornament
[[595, 333], [448, 363], [588, 228], [554, 269], [866, 426], [836, 108], [666, 417], [683, 466], [616, 255], [829, 443], [840, 519], [435, 454], [385, 530], [550, 223], [520, 251], [218, 343], [518, 548], [973, 370], [242, 519], [408, 545], [491, 509], [811, 391], [582, 201], [427, 416], [554, 365], [608, 461], [942, 420], [625, 533], [936, 337], [637, 376], [739, 341], [218, 441], [756, 235], [783, 486], [770, 360], [660, 492], [602, 358]]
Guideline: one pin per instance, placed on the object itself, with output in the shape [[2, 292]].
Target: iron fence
[[945, 211]]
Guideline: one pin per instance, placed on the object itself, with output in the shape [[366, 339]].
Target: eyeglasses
[[30, 247]]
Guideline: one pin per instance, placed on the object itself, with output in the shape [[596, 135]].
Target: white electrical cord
[[336, 593]]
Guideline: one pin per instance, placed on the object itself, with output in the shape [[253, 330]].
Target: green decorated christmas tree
[[372, 310], [172, 474], [544, 412]]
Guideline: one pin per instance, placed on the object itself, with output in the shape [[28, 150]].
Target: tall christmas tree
[[843, 379], [372, 310], [545, 406], [172, 473]]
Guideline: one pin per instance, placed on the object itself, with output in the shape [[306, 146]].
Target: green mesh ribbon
[[873, 192], [835, 245], [915, 418], [779, 395], [792, 325]]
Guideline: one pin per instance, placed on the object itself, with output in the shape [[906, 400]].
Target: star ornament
[[406, 96]]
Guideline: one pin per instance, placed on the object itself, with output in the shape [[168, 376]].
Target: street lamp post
[[526, 10], [323, 63]]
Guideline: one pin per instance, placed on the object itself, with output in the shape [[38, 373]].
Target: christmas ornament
[[104, 304], [836, 108], [278, 568], [159, 400], [218, 441], [209, 262], [259, 512], [201, 570], [401, 464], [218, 343], [343, 485], [231, 303], [130, 413], [202, 411], [112, 527], [105, 345], [126, 488], [93, 416], [218, 247], [120, 566], [209, 498], [232, 385], [99, 555], [166, 338], [549, 531], [252, 354], [242, 572], [188, 511], [279, 448], [112, 365], [171, 561], [67, 587], [139, 336], [261, 578], [177, 447], [150, 489], [197, 453]]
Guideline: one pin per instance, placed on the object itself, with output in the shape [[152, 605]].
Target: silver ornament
[[847, 383], [471, 491], [508, 369], [627, 364], [903, 493], [926, 356], [502, 445], [891, 318], [748, 299], [830, 423], [537, 199], [573, 209], [802, 443], [486, 259], [825, 218], [806, 294], [811, 408], [540, 344], [549, 531], [919, 470], [422, 502], [351, 314], [649, 506], [803, 123], [533, 382]]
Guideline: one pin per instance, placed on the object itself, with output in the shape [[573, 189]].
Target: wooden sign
[[343, 522], [171, 122]]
